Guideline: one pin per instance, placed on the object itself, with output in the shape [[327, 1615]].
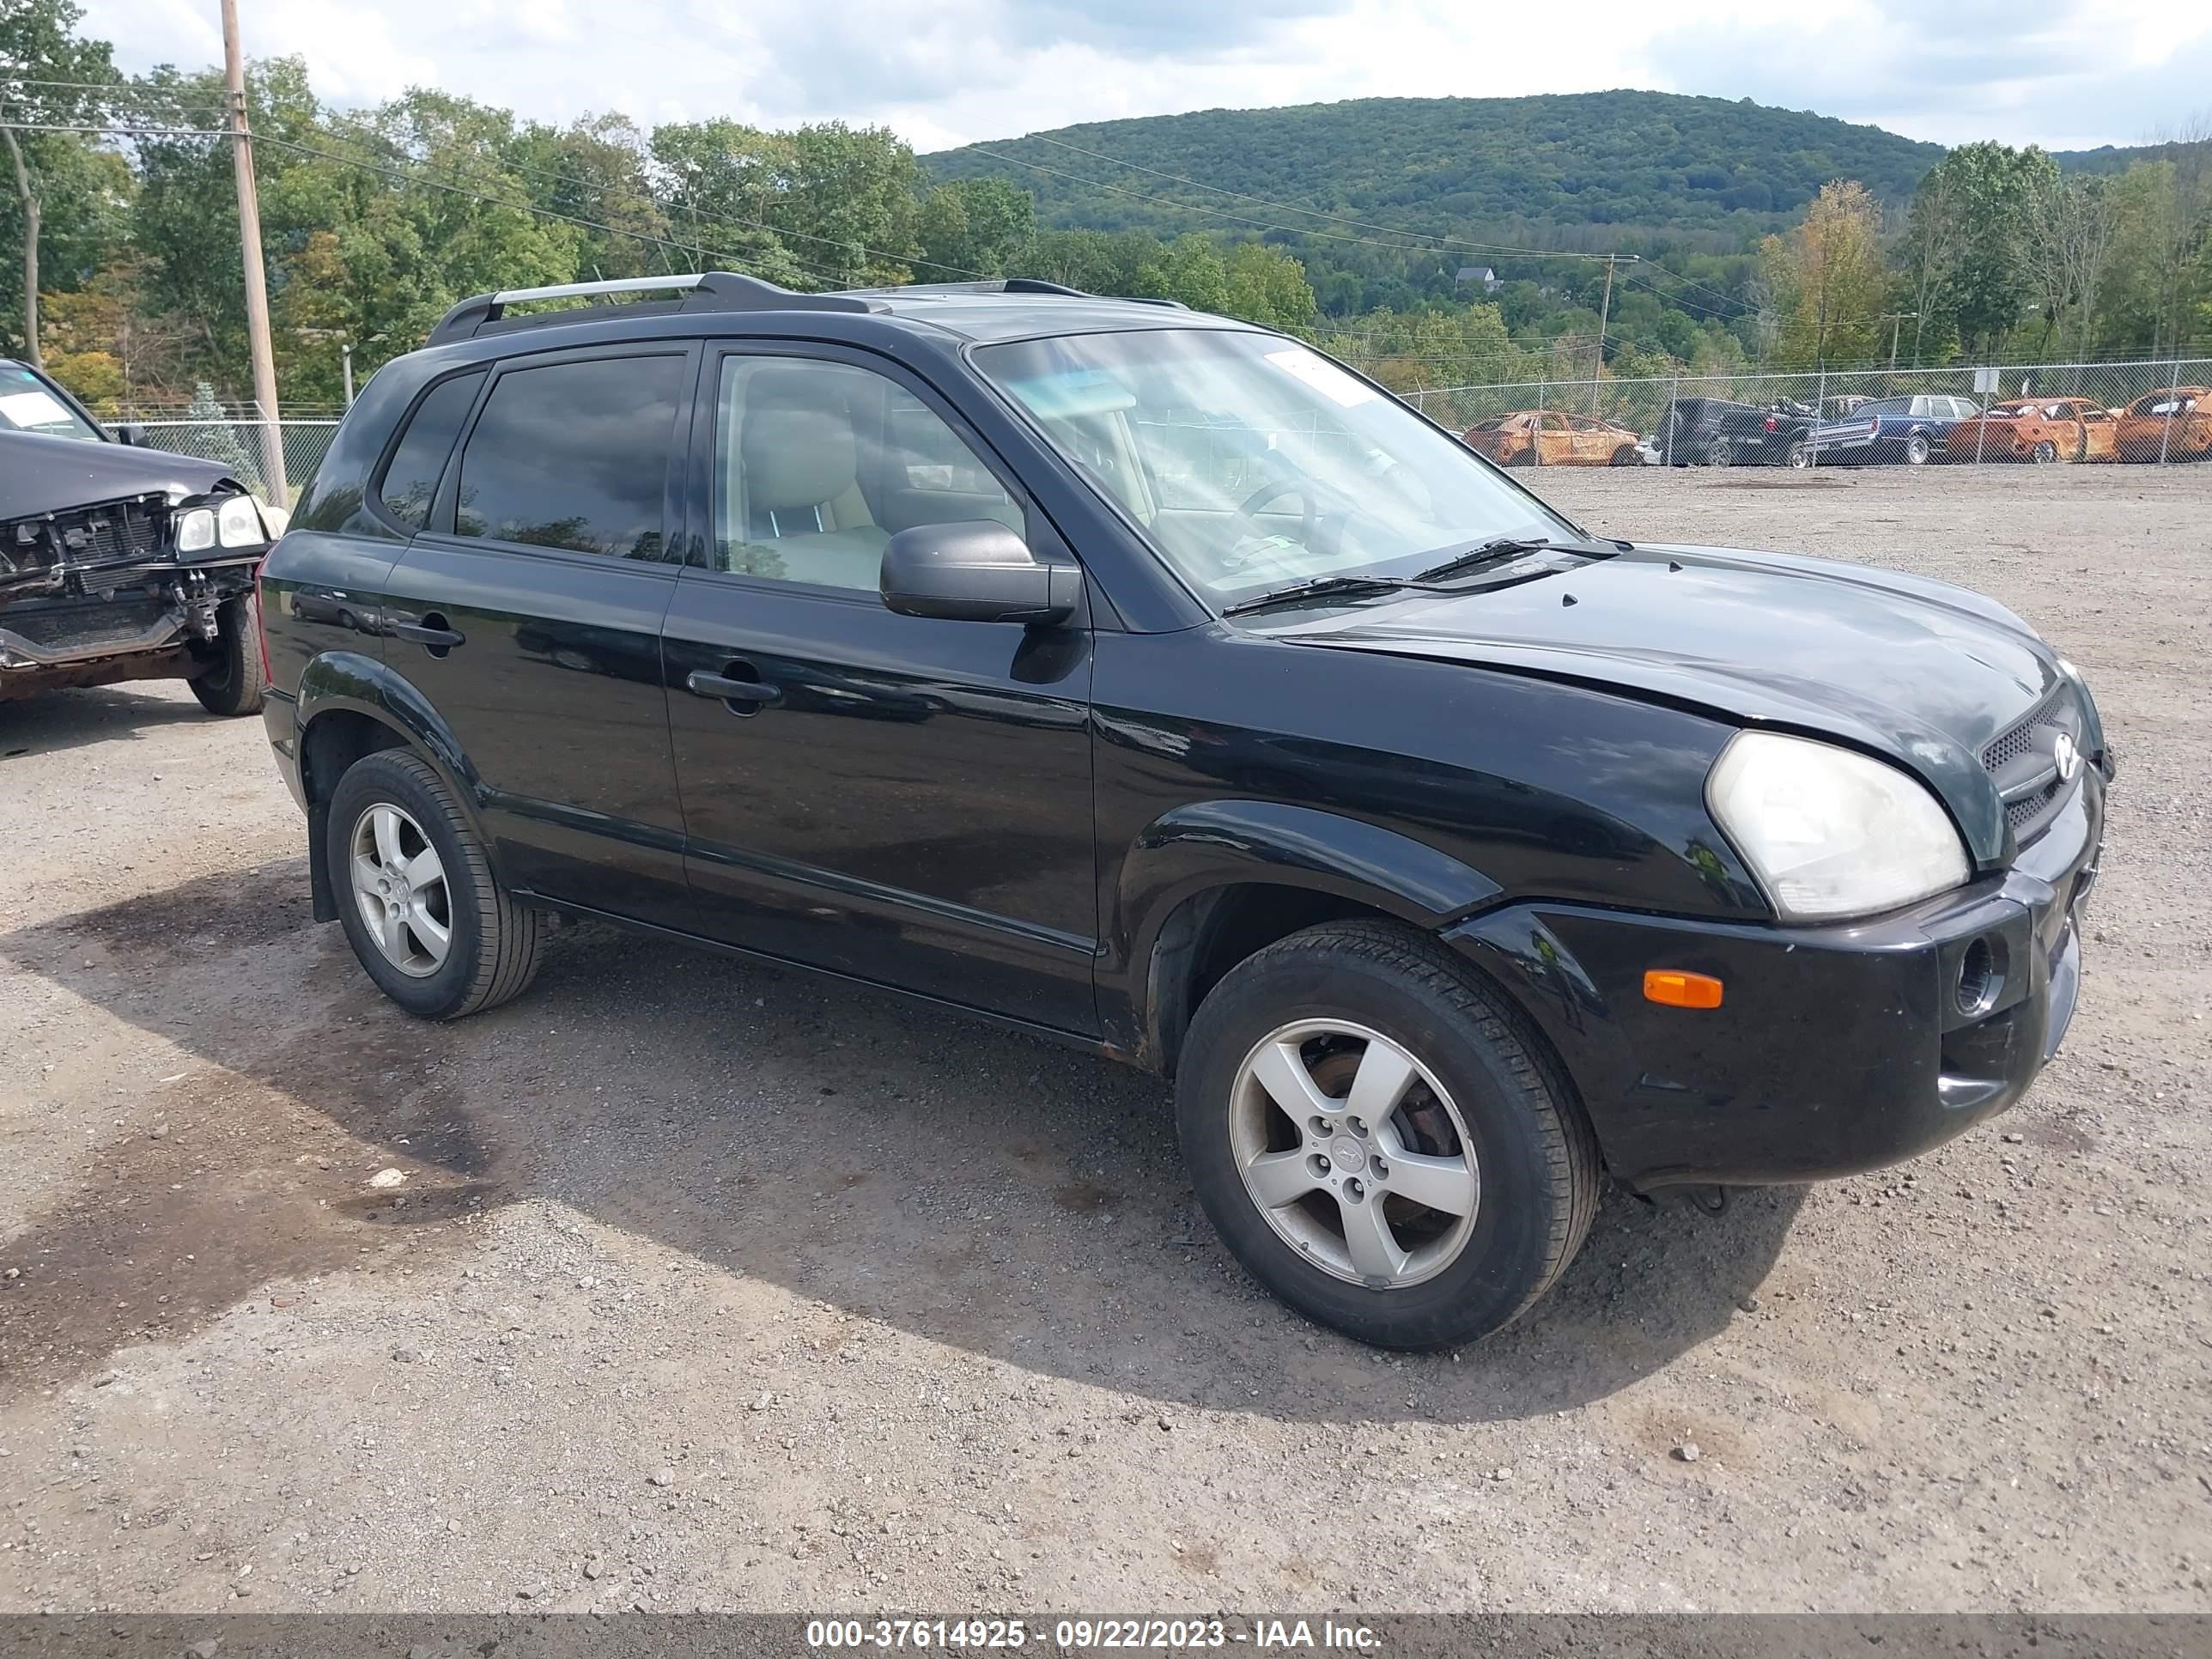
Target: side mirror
[[129, 432], [976, 572]]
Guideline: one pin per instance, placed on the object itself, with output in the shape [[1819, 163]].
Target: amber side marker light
[[1681, 990]]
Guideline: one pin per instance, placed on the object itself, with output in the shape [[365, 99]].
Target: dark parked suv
[[1146, 681]]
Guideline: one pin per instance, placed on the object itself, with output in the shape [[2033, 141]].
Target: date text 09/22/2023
[[1092, 1635]]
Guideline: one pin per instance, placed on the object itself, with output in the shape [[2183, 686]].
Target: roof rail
[[706, 290], [986, 285]]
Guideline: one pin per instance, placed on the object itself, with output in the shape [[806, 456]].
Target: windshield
[[1252, 463], [28, 403]]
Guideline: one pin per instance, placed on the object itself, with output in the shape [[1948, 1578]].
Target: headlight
[[238, 522], [1830, 832], [196, 530]]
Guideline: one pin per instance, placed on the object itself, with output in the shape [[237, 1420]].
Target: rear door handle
[[753, 694], [426, 632]]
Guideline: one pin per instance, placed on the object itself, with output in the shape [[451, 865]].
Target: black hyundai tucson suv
[[1148, 681]]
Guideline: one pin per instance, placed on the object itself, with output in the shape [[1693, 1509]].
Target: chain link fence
[[2061, 412], [236, 443]]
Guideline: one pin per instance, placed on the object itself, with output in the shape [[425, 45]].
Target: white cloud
[[2064, 72]]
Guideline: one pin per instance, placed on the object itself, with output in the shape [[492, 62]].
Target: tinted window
[[818, 465], [416, 465], [574, 455]]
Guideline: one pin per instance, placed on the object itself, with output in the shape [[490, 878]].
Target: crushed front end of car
[[116, 564]]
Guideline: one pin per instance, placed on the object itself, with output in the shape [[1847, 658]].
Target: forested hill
[[1644, 159]]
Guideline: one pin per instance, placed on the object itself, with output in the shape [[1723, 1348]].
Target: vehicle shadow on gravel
[[64, 719], [970, 1187]]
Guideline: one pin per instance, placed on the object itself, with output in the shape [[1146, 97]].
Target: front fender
[[1206, 845]]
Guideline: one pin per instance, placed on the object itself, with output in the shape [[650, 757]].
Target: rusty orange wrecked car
[[2173, 424], [1533, 437], [2039, 429]]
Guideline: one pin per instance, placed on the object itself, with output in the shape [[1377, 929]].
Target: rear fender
[[351, 682]]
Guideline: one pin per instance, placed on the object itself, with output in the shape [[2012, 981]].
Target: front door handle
[[430, 632], [743, 696]]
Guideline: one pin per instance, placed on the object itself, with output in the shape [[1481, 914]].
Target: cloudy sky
[[2063, 73]]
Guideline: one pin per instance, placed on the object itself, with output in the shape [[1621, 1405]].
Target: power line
[[1289, 207], [1424, 246], [1188, 207], [530, 171], [403, 177]]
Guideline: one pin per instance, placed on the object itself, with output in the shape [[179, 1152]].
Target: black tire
[[2045, 453], [1522, 457], [232, 684], [1797, 456], [1918, 450], [1624, 456], [495, 942], [1718, 453], [1530, 1142]]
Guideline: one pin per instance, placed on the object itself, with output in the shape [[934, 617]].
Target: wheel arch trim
[[349, 682], [1206, 845]]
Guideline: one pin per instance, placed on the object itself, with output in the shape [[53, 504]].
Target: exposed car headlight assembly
[[238, 522], [1830, 832], [196, 530]]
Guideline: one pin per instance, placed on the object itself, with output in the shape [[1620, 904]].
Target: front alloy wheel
[[1381, 1138], [1354, 1153]]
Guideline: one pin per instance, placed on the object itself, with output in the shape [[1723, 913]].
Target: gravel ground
[[704, 1287]]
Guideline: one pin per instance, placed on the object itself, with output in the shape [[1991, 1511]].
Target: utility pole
[[1896, 319], [257, 280], [1604, 313]]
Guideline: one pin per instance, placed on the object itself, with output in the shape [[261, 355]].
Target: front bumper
[[1836, 1049]]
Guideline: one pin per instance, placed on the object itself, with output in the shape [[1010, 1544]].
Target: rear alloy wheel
[[1719, 454], [2045, 453], [1380, 1140], [1797, 455], [426, 917], [1917, 450]]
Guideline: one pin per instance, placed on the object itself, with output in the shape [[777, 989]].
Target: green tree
[[1986, 190], [1190, 269], [720, 181], [974, 228], [1827, 279], [1266, 285], [51, 78]]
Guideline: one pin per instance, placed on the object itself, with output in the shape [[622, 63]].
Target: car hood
[[1920, 673], [41, 474]]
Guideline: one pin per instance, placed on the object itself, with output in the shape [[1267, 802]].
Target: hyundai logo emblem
[[2065, 756]]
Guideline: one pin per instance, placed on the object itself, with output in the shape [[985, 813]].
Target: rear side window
[[412, 479], [574, 455]]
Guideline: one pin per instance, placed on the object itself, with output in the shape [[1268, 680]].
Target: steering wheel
[[1275, 489]]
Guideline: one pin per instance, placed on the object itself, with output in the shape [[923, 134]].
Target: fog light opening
[[1981, 978]]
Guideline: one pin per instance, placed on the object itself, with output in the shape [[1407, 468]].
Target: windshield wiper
[[1502, 548], [1320, 587], [1489, 552]]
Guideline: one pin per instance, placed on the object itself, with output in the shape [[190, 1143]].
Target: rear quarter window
[[411, 480]]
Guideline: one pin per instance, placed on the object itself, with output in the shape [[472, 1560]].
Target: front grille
[[121, 530], [2020, 756], [113, 532]]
